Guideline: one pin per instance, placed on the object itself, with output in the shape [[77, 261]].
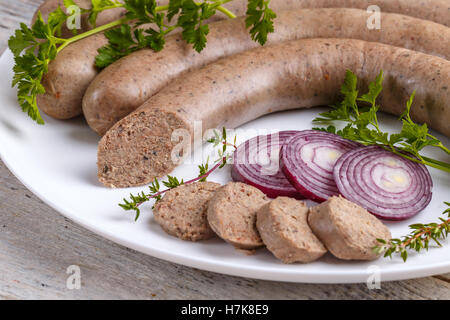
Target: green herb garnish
[[418, 239], [35, 47], [362, 126], [260, 20], [360, 115]]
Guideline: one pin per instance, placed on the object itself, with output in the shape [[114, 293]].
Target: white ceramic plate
[[57, 162]]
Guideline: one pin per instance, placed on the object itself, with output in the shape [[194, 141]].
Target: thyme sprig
[[360, 115], [419, 238], [220, 139], [36, 46]]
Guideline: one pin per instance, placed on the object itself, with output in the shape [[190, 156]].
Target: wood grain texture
[[37, 245]]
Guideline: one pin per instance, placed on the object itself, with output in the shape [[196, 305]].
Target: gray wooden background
[[37, 245]]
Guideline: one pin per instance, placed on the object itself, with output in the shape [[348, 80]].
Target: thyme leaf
[[418, 239]]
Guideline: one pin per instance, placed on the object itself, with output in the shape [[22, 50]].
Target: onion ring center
[[322, 156], [391, 176]]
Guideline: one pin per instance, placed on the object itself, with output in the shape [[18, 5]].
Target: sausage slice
[[347, 230], [182, 211], [283, 227], [232, 214]]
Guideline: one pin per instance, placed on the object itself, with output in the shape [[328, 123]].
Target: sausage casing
[[243, 87], [125, 85]]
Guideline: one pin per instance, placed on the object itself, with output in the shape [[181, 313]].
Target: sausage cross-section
[[349, 231], [243, 87], [182, 211], [232, 214], [283, 227]]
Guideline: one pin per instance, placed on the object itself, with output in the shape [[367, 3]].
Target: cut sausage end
[[136, 152]]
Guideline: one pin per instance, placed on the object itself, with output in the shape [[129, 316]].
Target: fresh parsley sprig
[[135, 201], [360, 114], [191, 20], [123, 40], [35, 47], [260, 20], [419, 238]]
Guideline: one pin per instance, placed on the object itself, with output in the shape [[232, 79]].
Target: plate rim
[[294, 276]]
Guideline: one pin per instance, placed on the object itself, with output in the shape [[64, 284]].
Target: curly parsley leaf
[[123, 40], [174, 8], [21, 40], [191, 18], [33, 48], [141, 10], [375, 89], [56, 20], [121, 44], [260, 18]]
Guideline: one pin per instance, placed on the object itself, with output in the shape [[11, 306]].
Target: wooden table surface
[[37, 245]]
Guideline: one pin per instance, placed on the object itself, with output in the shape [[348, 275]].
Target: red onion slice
[[256, 162], [388, 185], [308, 159]]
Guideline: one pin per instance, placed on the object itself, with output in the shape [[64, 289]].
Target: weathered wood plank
[[12, 13], [37, 245], [444, 277]]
